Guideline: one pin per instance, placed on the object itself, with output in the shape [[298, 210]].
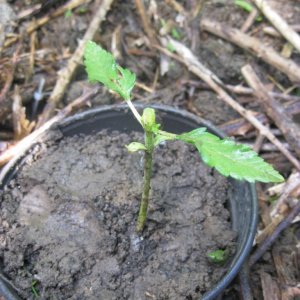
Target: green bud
[[135, 146], [148, 118]]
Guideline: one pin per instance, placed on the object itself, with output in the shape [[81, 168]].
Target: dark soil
[[68, 222]]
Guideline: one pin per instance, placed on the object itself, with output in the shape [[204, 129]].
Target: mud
[[68, 222]]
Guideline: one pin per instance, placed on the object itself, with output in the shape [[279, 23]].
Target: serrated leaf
[[101, 66], [235, 160], [192, 136], [135, 146]]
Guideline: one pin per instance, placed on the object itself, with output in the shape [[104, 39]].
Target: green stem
[[134, 111], [149, 142]]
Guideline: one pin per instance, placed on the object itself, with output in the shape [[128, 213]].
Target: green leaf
[[218, 256], [175, 34], [135, 146], [101, 66], [192, 136], [244, 5], [235, 160], [159, 138], [248, 7], [170, 47]]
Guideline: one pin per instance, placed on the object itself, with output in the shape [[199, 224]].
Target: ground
[[29, 57]]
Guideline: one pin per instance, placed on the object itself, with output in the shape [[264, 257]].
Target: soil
[[68, 222]]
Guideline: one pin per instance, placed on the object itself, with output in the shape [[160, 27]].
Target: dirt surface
[[68, 222]]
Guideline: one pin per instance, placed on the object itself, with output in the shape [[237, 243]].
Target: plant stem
[[134, 111], [149, 143]]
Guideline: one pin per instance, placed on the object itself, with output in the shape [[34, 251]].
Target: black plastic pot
[[243, 202]]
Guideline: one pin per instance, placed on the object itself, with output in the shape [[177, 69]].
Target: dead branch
[[22, 126], [23, 145], [274, 109], [242, 90], [273, 32], [241, 126], [264, 246], [269, 229], [270, 288], [266, 53], [279, 23], [290, 186], [66, 74], [192, 63], [146, 24], [250, 20], [11, 73]]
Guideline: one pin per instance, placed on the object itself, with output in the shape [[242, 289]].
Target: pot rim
[[239, 257]]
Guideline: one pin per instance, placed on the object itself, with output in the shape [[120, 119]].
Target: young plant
[[229, 158]]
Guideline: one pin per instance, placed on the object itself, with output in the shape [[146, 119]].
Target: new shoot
[[230, 159]]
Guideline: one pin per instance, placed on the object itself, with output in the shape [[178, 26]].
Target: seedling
[[218, 256], [230, 159]]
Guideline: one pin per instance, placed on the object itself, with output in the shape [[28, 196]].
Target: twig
[[250, 20], [273, 32], [148, 30], [258, 142], [26, 142], [192, 63], [27, 12], [66, 74], [273, 109], [243, 90], [269, 229], [279, 23], [271, 239], [241, 126], [290, 186], [10, 75], [266, 53], [22, 126], [269, 287], [177, 6]]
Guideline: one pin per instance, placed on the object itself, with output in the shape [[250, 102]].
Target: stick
[[242, 90], [241, 126], [263, 247], [290, 186], [273, 32], [148, 30], [10, 75], [274, 109], [66, 74], [266, 53], [191, 62], [279, 23], [250, 20], [25, 143]]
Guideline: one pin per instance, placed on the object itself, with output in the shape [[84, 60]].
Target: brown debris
[[266, 53], [66, 74], [270, 287], [22, 126], [273, 109]]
